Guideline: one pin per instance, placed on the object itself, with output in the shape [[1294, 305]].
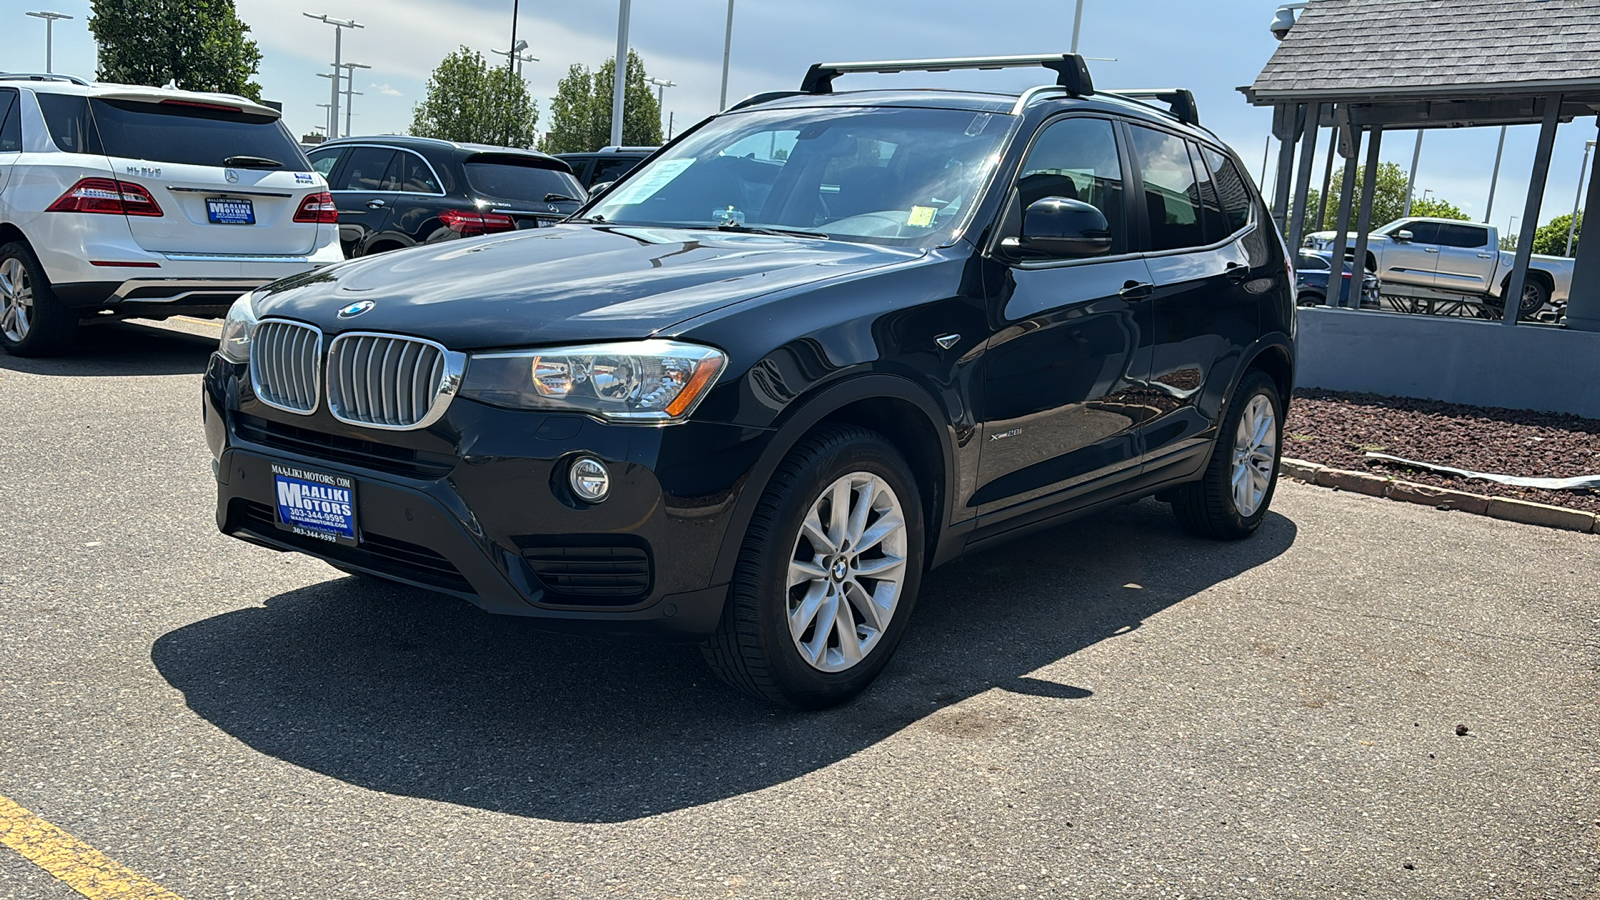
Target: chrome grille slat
[[390, 381], [285, 365]]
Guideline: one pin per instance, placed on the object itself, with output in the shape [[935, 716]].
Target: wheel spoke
[[844, 625], [839, 511], [887, 524], [811, 529], [801, 571], [864, 603], [863, 508], [810, 605], [884, 567]]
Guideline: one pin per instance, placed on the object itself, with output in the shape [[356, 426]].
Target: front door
[[1412, 262], [1058, 374]]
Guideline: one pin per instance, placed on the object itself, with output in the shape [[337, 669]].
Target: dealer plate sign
[[315, 504]]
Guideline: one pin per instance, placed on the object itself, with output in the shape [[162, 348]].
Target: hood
[[561, 284]]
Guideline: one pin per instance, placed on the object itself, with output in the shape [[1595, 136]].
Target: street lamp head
[[338, 23], [49, 16], [519, 46]]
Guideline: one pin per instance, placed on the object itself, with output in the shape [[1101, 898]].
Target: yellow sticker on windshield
[[921, 216]]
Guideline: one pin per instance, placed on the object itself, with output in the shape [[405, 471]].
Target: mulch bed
[[1338, 429]]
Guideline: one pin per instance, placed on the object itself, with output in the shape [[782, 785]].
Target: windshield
[[517, 181], [907, 177]]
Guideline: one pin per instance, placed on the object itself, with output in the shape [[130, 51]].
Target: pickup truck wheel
[[1231, 499], [32, 321], [827, 576], [1534, 296]]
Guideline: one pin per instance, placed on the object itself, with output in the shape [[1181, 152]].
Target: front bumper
[[475, 506]]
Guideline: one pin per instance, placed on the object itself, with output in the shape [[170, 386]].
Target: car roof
[[413, 142], [105, 90], [1005, 103]]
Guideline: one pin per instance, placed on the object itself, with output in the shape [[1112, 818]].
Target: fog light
[[589, 479]]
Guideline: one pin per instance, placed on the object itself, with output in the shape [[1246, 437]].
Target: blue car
[[1311, 281]]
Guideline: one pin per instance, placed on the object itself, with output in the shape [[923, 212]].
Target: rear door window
[[1468, 237], [1216, 225], [184, 133], [365, 170], [611, 169], [408, 174], [1171, 193], [511, 179]]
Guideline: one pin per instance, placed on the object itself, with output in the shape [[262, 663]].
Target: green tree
[[580, 112], [1552, 238], [201, 45], [470, 101], [1388, 199]]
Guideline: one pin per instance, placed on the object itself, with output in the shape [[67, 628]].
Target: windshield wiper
[[597, 220], [252, 162], [780, 232], [554, 197]]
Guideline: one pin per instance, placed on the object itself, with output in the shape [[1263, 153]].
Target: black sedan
[[396, 191]]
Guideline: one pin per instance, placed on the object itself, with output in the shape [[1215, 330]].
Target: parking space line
[[193, 321], [71, 861]]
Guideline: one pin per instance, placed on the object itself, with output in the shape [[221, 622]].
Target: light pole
[[516, 54], [1411, 182], [619, 82], [727, 54], [1077, 26], [1572, 226], [1494, 180], [338, 41], [661, 93], [49, 35], [350, 92]]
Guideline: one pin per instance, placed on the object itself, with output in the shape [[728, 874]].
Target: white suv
[[120, 201]]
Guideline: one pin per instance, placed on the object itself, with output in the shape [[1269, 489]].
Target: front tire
[[827, 576], [1231, 499], [32, 321]]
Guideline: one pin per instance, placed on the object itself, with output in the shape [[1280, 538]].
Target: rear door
[[1201, 263], [363, 191], [1466, 261], [228, 180]]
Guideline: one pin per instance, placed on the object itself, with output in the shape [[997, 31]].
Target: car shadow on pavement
[[123, 349], [418, 694]]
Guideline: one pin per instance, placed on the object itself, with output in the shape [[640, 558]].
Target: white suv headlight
[[238, 329], [656, 381]]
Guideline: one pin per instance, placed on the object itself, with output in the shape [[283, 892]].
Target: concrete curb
[[1441, 498]]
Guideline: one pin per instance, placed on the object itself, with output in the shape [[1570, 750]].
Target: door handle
[[375, 204], [1236, 273], [1430, 249], [1486, 256], [1137, 290]]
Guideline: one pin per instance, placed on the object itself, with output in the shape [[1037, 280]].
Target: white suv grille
[[386, 381], [285, 365]]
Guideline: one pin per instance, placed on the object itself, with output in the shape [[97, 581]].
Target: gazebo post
[[1583, 303], [1530, 211], [1302, 182], [1341, 227], [1369, 188], [1286, 128], [1327, 177]]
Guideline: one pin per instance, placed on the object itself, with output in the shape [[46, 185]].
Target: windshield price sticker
[[315, 505]]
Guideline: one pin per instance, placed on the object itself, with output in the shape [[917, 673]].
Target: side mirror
[[1061, 227], [596, 190], [1403, 236]]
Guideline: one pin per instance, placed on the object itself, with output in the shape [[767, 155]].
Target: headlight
[[638, 381], [238, 329]]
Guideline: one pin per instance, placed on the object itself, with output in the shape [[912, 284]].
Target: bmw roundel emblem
[[356, 309]]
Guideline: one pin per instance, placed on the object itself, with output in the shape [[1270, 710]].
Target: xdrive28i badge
[[356, 309]]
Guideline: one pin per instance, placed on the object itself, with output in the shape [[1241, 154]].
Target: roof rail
[[1180, 102], [42, 76], [1071, 71], [764, 97]]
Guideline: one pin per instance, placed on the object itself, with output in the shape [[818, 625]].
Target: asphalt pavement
[[1110, 708]]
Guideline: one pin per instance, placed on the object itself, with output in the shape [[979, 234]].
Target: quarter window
[[1171, 193], [1232, 192], [323, 162], [1076, 159], [10, 122]]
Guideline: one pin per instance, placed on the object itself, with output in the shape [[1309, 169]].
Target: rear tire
[[1231, 499], [1535, 294], [32, 321], [827, 576], [1310, 298]]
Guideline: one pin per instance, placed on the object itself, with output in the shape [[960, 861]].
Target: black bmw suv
[[821, 344], [395, 191]]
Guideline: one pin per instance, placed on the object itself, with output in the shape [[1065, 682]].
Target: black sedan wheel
[[828, 574]]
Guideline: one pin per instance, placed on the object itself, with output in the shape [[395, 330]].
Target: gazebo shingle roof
[[1389, 47]]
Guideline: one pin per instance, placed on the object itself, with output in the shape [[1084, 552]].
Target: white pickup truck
[[1443, 256]]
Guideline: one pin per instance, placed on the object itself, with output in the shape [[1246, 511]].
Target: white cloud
[[386, 90]]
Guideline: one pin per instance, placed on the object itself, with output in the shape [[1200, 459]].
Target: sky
[[1209, 46]]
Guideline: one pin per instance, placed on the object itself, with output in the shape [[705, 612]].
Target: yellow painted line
[[71, 861], [193, 321]]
